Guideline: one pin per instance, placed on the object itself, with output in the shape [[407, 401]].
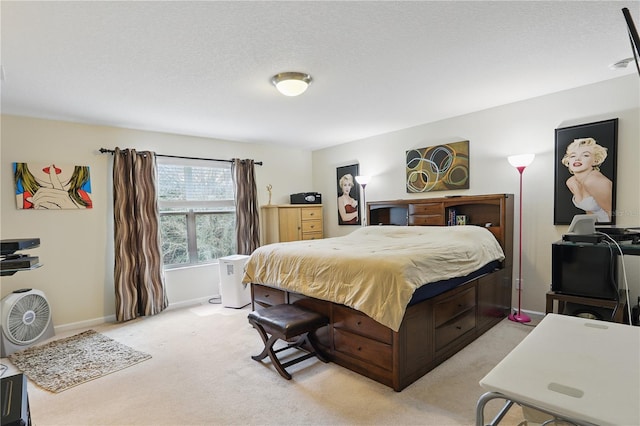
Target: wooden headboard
[[494, 212]]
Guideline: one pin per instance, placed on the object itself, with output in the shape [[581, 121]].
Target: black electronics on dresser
[[306, 198], [588, 270]]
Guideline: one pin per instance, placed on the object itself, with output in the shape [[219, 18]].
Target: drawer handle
[[358, 323], [458, 327], [359, 348], [266, 295]]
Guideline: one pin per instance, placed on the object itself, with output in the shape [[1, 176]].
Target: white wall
[[77, 246], [494, 134]]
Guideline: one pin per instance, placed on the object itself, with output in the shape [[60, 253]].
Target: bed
[[400, 298]]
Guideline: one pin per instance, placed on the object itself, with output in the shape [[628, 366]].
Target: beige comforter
[[374, 269]]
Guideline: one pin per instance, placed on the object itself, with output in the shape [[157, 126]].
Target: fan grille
[[28, 319]]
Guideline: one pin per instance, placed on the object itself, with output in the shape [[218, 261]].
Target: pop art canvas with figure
[[52, 186]]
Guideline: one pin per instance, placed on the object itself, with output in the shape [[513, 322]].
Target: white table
[[583, 371]]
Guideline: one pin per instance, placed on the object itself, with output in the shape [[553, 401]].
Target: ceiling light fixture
[[291, 83]]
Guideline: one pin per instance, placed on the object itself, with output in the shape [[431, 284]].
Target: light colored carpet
[[202, 373], [64, 363]]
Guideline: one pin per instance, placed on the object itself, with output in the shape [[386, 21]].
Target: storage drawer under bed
[[454, 306], [455, 328], [362, 348], [267, 296], [359, 323], [454, 316]]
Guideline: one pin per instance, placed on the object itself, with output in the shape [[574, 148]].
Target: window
[[197, 211]]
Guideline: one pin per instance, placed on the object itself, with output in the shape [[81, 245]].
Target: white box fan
[[26, 320]]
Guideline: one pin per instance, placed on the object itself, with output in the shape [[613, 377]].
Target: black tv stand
[[618, 306]]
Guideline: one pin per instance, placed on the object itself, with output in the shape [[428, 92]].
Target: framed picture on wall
[[438, 168], [45, 186], [348, 195], [585, 172]]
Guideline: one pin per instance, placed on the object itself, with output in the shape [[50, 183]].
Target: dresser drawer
[[436, 220], [311, 213], [455, 305], [371, 351], [357, 322], [311, 226], [426, 214], [312, 235], [268, 295], [426, 209], [455, 328]]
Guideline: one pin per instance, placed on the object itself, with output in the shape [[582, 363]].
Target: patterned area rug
[[62, 364]]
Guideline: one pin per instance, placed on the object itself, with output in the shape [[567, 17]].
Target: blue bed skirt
[[428, 291]]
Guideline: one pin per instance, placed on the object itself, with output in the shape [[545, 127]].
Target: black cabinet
[[15, 403], [586, 270]]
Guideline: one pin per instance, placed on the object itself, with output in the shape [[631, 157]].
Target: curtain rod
[[111, 151]]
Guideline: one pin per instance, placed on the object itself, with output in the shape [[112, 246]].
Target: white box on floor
[[233, 293]]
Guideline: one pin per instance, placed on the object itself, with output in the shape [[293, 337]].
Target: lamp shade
[[522, 160], [291, 83], [363, 180]]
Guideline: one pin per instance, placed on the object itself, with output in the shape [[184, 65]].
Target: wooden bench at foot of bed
[[431, 332]]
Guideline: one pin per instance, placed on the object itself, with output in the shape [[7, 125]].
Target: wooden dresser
[[291, 222]]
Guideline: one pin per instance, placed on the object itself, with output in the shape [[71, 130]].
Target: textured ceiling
[[203, 68]]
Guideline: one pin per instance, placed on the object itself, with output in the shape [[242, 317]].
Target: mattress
[[433, 289], [375, 269]]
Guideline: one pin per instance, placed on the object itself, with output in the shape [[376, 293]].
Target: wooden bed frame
[[432, 330]]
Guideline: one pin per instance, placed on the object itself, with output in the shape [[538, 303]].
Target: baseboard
[[112, 318], [84, 324], [535, 316], [534, 313], [191, 302]]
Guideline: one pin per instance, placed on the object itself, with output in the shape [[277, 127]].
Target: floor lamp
[[520, 162], [363, 181]]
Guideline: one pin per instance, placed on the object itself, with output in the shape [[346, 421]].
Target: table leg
[[549, 306], [483, 401], [619, 316]]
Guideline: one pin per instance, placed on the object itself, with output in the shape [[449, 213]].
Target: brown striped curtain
[[247, 220], [138, 273]]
